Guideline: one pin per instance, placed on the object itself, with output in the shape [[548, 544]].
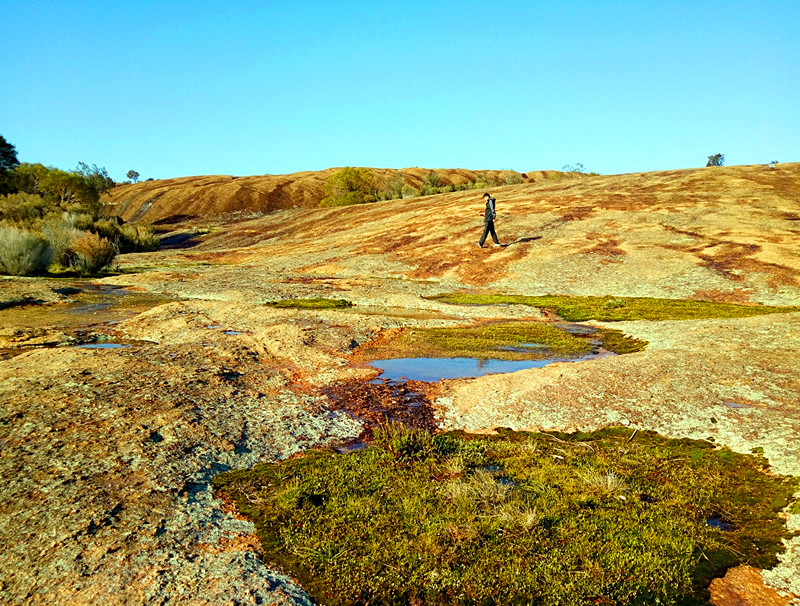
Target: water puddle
[[720, 523], [227, 332], [348, 448], [91, 303], [103, 346], [78, 322], [736, 405], [432, 370]]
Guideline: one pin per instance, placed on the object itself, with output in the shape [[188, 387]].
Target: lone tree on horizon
[[133, 176], [716, 160]]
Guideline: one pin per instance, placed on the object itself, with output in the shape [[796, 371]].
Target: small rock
[[744, 586]]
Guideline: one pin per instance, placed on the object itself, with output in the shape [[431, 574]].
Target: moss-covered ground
[[609, 517], [617, 309], [310, 303], [499, 340]]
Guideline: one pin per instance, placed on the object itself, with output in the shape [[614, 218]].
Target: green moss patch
[[310, 303], [598, 518], [620, 343], [616, 309], [499, 340], [503, 340]]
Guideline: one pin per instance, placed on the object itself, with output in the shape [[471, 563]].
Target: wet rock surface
[[376, 402]]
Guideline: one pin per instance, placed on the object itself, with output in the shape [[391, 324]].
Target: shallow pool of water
[[103, 345], [434, 369], [91, 304]]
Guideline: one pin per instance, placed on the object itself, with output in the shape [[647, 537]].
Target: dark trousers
[[488, 228]]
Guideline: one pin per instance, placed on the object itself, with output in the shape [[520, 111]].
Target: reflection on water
[[91, 304], [103, 345], [434, 369]]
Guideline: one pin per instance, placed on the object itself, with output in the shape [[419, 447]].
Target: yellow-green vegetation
[[57, 224], [349, 186], [620, 343], [617, 309], [502, 340], [561, 520], [310, 303]]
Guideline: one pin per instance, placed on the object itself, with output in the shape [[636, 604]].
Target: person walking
[[489, 215]]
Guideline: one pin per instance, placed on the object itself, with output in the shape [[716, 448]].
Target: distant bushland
[[51, 216], [359, 186]]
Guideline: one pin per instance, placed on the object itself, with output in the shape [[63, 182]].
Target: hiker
[[489, 215]]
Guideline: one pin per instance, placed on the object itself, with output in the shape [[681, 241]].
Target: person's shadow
[[531, 239]]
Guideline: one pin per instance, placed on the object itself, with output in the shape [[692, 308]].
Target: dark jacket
[[490, 214]]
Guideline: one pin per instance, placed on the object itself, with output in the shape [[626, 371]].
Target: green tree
[[716, 160], [8, 162], [349, 186], [133, 176], [65, 189], [96, 177]]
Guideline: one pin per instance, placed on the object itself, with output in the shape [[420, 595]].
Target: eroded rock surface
[[106, 455]]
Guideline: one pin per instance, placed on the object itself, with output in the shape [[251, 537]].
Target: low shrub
[[393, 189], [78, 219], [128, 237], [137, 237], [349, 186], [23, 207], [106, 228], [60, 232], [410, 192], [22, 252], [511, 178], [90, 253]]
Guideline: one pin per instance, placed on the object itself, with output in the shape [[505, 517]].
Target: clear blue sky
[[186, 88]]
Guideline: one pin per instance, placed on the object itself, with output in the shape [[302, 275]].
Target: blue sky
[[187, 88]]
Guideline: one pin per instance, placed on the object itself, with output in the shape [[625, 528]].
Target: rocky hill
[[720, 233], [108, 450], [174, 200]]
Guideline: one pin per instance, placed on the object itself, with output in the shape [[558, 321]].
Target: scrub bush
[[22, 252], [60, 231], [349, 186], [138, 237], [410, 192], [22, 207], [90, 253]]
